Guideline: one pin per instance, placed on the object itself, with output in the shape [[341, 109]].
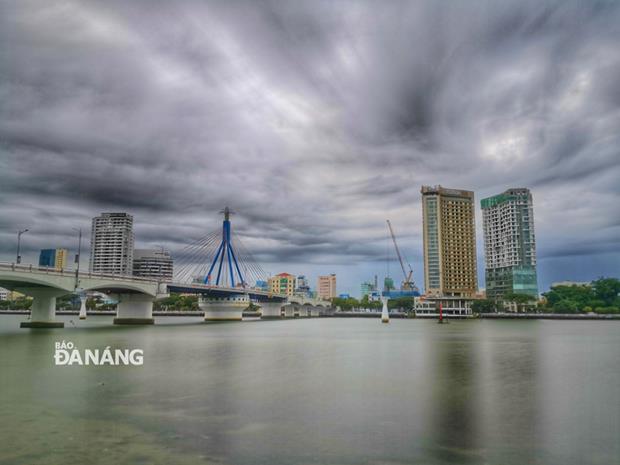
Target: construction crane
[[407, 284]]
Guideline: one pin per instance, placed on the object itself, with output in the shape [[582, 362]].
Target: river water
[[315, 391]]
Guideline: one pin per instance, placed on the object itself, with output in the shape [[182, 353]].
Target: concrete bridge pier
[[271, 310], [43, 309], [315, 311], [224, 308], [134, 309], [289, 311], [82, 306]]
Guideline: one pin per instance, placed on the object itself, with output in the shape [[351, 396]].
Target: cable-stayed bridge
[[218, 268]]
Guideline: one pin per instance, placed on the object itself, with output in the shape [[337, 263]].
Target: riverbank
[[548, 316], [399, 315]]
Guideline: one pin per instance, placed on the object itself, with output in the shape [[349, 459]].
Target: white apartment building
[[111, 244]]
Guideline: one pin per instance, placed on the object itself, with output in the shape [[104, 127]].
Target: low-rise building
[[450, 306], [283, 283], [53, 258], [302, 286], [153, 263]]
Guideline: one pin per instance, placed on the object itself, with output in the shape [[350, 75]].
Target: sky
[[314, 121]]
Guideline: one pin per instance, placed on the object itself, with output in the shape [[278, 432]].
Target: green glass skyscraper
[[509, 244]]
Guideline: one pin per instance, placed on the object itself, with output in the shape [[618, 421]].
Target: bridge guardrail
[[82, 274], [71, 272]]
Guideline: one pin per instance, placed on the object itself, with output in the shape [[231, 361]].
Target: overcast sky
[[314, 121]]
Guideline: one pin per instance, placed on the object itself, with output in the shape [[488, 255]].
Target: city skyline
[[171, 114]]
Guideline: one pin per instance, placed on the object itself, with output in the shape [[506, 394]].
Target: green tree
[[484, 306], [566, 306], [406, 303], [607, 290], [580, 295], [371, 304], [345, 304], [522, 301]]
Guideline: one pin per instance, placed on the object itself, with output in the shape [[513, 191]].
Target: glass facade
[[47, 257]]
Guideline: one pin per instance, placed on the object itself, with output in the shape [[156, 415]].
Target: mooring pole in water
[[385, 314], [440, 313]]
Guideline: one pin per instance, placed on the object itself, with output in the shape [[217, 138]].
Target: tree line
[[600, 296]]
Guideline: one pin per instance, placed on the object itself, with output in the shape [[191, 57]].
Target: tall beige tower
[[449, 242], [326, 286]]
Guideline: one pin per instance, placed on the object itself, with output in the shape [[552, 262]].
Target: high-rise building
[[283, 283], [111, 244], [449, 242], [153, 263], [326, 287], [53, 258], [509, 244]]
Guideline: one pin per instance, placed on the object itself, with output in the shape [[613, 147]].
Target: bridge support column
[[271, 310], [314, 311], [82, 307], [134, 309], [43, 309], [224, 308], [289, 311]]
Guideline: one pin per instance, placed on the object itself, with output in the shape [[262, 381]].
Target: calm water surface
[[333, 391]]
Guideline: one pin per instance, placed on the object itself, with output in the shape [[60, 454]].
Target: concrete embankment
[[548, 316]]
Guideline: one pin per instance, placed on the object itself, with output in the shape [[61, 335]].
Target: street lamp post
[[77, 257], [19, 240], [78, 290]]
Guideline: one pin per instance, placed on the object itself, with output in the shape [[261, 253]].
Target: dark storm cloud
[[315, 121]]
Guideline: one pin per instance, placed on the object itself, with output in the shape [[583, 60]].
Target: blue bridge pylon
[[225, 253], [218, 259]]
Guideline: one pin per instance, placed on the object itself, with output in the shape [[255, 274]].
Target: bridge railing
[[71, 272]]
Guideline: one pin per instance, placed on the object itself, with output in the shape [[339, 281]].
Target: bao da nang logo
[[67, 354]]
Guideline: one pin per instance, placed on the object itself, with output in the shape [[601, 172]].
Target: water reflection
[[454, 413], [509, 391], [316, 392]]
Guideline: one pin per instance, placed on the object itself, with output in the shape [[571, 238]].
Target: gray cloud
[[315, 121]]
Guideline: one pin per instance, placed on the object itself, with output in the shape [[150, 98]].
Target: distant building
[[571, 283], [261, 285], [53, 258], [367, 288], [449, 242], [302, 286], [396, 293], [388, 284], [153, 263], [283, 283], [326, 286], [344, 296], [111, 244], [4, 294], [509, 244], [450, 306]]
